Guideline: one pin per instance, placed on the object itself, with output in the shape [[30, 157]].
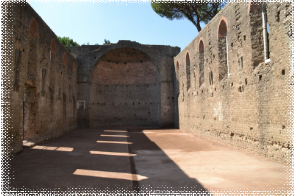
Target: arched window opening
[[265, 28], [33, 50], [33, 29], [223, 50], [64, 58], [53, 47], [188, 70], [177, 65], [201, 63], [258, 28]]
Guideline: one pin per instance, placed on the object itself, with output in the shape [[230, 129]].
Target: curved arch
[[254, 6], [201, 45], [188, 70], [130, 65], [223, 55], [3, 4], [223, 27], [53, 46], [99, 55], [64, 58], [187, 57], [33, 29]]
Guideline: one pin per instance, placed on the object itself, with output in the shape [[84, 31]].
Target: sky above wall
[[88, 22]]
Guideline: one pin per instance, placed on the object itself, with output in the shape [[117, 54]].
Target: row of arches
[[222, 56], [260, 51], [46, 72]]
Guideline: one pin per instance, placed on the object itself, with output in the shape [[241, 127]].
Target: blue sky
[[93, 22]]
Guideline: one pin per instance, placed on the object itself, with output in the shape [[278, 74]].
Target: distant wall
[[42, 81], [125, 84], [227, 91]]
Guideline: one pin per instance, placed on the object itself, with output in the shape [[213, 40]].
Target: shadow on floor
[[99, 160]]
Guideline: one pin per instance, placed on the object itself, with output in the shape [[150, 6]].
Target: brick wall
[[126, 84], [43, 82], [242, 100]]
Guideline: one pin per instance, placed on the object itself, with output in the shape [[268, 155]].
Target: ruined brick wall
[[43, 81], [125, 84], [226, 90]]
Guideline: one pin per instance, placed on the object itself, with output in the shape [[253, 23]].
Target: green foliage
[[194, 11], [106, 42], [67, 42]]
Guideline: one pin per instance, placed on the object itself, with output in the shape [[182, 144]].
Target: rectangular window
[[81, 104]]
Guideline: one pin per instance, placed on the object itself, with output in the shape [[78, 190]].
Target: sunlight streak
[[66, 149], [116, 131], [106, 174], [112, 153], [114, 142], [114, 135]]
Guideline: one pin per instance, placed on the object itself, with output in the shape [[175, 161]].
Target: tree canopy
[[67, 42], [194, 11], [106, 42]]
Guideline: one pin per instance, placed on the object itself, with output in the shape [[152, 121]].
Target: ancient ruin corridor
[[136, 159]]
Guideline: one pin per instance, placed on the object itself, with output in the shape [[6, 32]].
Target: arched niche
[[188, 70], [201, 61], [259, 29], [223, 48], [177, 65], [64, 58], [33, 28], [125, 90], [33, 49], [53, 46]]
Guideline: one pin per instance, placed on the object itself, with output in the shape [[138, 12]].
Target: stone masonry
[[125, 84], [241, 99], [225, 85], [42, 88]]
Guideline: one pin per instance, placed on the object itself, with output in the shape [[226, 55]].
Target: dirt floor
[[143, 160]]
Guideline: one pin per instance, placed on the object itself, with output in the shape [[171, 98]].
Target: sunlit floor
[[136, 158]]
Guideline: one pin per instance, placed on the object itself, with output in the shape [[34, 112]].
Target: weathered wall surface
[[125, 84], [227, 91], [43, 81]]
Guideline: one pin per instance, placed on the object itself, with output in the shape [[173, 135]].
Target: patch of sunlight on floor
[[112, 153], [114, 142], [114, 135], [66, 149], [115, 131], [106, 174], [147, 132]]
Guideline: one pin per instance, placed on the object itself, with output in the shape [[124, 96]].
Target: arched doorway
[[125, 90]]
